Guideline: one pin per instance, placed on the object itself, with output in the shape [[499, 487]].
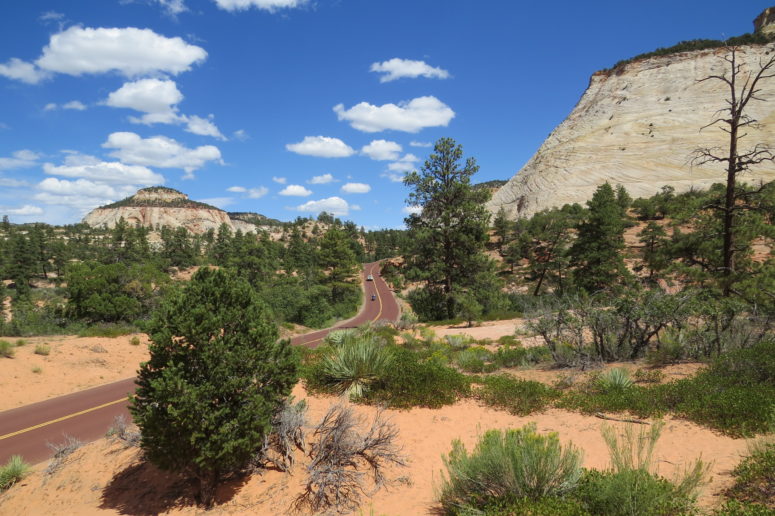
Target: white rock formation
[[157, 207], [638, 126]]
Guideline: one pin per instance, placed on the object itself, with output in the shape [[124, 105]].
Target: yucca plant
[[337, 337], [617, 379], [355, 365], [13, 471]]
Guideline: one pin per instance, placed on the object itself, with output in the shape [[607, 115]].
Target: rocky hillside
[[159, 206], [637, 125]]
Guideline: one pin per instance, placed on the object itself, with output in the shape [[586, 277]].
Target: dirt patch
[[72, 364], [106, 478]]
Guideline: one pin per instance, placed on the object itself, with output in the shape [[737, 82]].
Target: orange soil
[[106, 478]]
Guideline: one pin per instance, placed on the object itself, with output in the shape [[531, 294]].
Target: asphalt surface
[[86, 415]]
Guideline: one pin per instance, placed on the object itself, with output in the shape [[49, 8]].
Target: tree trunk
[[208, 481], [729, 211]]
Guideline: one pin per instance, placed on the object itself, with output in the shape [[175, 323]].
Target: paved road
[[86, 415]]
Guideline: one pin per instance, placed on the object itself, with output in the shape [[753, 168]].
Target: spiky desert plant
[[13, 471], [351, 368], [337, 337], [616, 379]]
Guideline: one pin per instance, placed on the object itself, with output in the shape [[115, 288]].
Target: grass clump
[[107, 330], [6, 349], [617, 379], [519, 397], [508, 465], [37, 370], [135, 341], [648, 375], [476, 360], [20, 342], [352, 367], [12, 472], [754, 487], [42, 349]]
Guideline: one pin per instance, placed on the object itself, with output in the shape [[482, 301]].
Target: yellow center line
[[75, 414]]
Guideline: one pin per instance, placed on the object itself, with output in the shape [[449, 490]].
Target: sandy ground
[[73, 364], [104, 477], [489, 330]]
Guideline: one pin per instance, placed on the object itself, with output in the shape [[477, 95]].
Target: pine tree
[[216, 375], [597, 252], [502, 228]]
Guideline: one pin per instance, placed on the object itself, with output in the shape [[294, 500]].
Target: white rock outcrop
[[638, 126]]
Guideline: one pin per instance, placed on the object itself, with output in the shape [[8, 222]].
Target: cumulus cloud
[[279, 180], [27, 209], [382, 150], [398, 68], [104, 172], [129, 51], [321, 147], [333, 205], [237, 189], [354, 188], [415, 143], [250, 193], [412, 210], [22, 71], [295, 190], [20, 159], [173, 7], [75, 105], [241, 135], [411, 116], [158, 99], [160, 151], [321, 180], [81, 194], [405, 164], [266, 5]]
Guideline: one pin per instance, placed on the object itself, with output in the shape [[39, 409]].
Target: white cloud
[[241, 135], [104, 172], [266, 5], [160, 151], [27, 209], [22, 71], [295, 190], [332, 205], [396, 178], [397, 68], [219, 202], [411, 116], [405, 164], [356, 188], [321, 147], [382, 150], [50, 107], [75, 105], [256, 193], [321, 180], [173, 7], [415, 143], [279, 180], [51, 16], [129, 51], [12, 183], [158, 99], [81, 194], [20, 159], [237, 189], [412, 210]]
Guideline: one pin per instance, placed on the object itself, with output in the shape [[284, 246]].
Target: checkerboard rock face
[[158, 207], [637, 126]]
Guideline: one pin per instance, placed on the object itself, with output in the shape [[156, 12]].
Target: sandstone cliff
[[157, 207], [637, 126]]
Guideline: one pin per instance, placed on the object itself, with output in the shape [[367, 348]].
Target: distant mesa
[[159, 206], [637, 125]]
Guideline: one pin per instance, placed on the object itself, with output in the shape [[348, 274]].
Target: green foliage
[[107, 330], [507, 465], [42, 349], [519, 397], [616, 379], [353, 365], [475, 360], [216, 376], [6, 349], [12, 472], [755, 478], [649, 375], [135, 341]]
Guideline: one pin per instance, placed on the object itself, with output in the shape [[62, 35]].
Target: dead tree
[[744, 86]]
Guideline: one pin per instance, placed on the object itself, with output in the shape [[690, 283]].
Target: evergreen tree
[[654, 240], [502, 228], [450, 233], [216, 375], [597, 250]]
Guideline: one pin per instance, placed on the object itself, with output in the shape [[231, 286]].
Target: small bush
[[13, 471], [61, 452], [519, 397], [120, 430], [755, 478], [20, 342], [474, 360], [6, 349], [37, 370], [617, 379], [649, 375], [508, 340], [42, 349], [510, 355], [135, 341], [510, 464], [672, 348], [354, 366], [286, 437], [107, 330]]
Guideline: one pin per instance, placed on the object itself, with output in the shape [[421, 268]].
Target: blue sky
[[287, 107]]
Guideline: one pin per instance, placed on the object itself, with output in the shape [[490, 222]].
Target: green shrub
[[135, 341], [519, 397], [37, 370], [20, 342], [107, 330], [617, 379], [672, 348], [42, 349], [6, 349], [474, 360], [510, 464], [755, 478], [458, 342], [649, 375], [735, 508], [355, 365], [508, 340], [412, 382], [552, 506], [511, 356], [13, 471]]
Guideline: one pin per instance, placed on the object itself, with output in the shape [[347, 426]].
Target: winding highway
[[86, 415]]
